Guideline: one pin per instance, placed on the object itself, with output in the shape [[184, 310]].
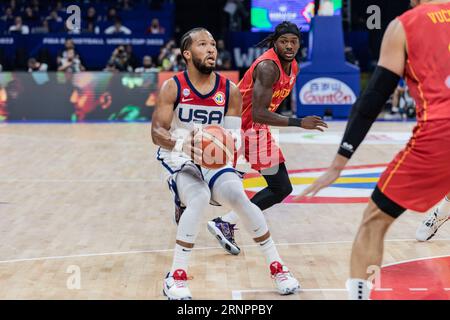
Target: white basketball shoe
[[430, 225], [175, 286], [284, 280]]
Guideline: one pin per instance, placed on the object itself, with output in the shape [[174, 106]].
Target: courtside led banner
[[75, 97]]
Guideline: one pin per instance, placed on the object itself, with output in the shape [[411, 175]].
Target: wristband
[[233, 125], [295, 122]]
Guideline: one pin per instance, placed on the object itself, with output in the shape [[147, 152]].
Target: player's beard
[[281, 57], [286, 60], [203, 68]]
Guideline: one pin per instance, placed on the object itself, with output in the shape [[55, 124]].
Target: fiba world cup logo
[[73, 22], [219, 98]]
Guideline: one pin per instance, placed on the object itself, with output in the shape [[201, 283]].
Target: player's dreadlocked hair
[[282, 28], [186, 40]]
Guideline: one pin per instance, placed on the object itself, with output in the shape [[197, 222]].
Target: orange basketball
[[217, 147]]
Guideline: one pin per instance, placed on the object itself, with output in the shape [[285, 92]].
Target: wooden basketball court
[[85, 215]]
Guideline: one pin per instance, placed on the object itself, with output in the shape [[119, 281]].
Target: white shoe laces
[[180, 283], [281, 276], [431, 221]]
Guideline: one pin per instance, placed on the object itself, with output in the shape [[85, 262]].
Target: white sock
[[444, 208], [195, 194], [270, 251], [180, 258], [231, 217], [358, 289]]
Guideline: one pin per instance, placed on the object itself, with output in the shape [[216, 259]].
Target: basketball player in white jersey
[[200, 96]]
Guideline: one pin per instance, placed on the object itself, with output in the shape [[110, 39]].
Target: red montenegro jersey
[[281, 88], [427, 69]]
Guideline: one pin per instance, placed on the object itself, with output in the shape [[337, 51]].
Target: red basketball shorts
[[419, 176], [261, 149]]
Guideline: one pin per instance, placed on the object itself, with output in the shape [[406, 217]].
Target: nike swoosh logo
[[186, 100]]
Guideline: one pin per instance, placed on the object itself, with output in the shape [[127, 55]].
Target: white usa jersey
[[193, 109]]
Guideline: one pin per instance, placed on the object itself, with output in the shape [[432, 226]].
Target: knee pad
[[286, 189], [279, 184], [282, 191]]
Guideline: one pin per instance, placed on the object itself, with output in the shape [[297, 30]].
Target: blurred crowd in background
[[122, 17], [123, 60], [47, 16]]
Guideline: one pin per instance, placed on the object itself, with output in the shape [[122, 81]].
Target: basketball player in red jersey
[[193, 98], [264, 86], [416, 45]]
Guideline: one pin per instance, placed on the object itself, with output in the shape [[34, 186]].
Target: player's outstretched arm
[[266, 74], [367, 108], [162, 119]]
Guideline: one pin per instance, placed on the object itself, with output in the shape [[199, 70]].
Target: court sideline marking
[[196, 249]]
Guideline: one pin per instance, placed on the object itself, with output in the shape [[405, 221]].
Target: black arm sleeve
[[367, 108]]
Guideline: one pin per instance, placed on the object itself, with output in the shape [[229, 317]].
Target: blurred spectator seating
[[137, 15]]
